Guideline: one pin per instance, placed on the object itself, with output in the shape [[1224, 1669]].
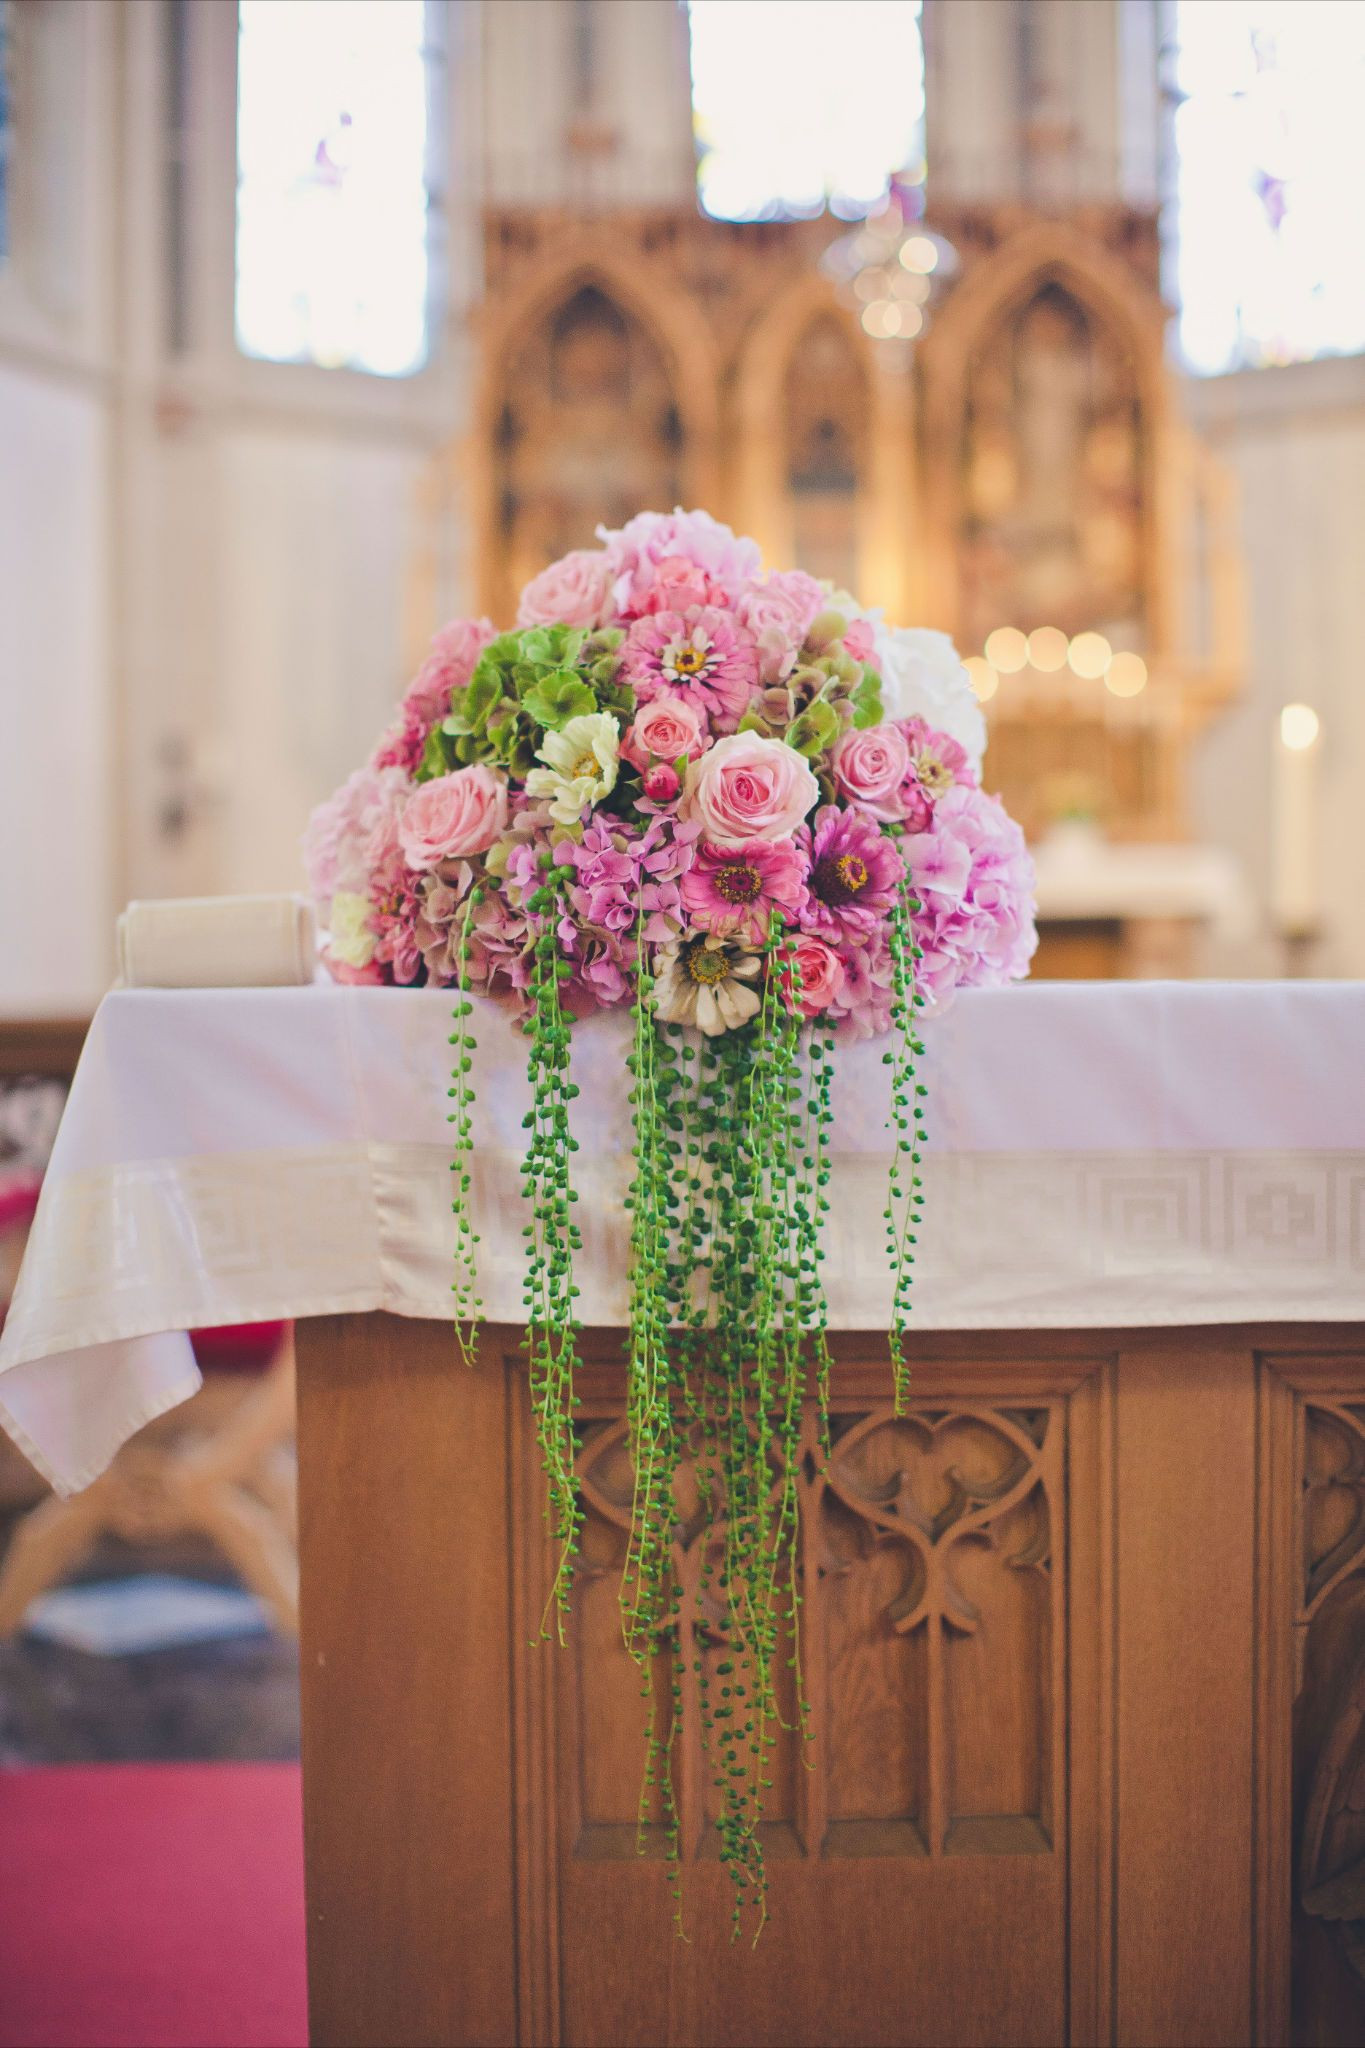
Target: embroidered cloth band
[[1109, 1155]]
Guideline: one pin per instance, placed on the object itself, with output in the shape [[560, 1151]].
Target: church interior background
[[1038, 319], [1040, 322]]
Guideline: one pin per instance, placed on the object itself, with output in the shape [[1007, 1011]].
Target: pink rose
[[575, 591], [870, 767], [749, 787], [452, 816], [815, 976], [663, 730], [661, 783]]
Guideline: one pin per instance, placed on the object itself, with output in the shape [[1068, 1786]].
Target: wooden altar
[[1062, 1625]]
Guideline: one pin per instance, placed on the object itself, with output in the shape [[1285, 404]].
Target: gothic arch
[[590, 266], [882, 498], [997, 291]]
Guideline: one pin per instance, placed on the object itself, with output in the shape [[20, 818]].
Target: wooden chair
[[221, 1466]]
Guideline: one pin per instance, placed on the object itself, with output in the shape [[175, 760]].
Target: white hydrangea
[[923, 677]]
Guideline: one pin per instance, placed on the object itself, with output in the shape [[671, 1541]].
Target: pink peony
[[716, 566], [749, 787], [854, 874], [703, 657], [733, 890], [870, 767], [452, 816], [779, 612], [815, 976], [575, 591], [664, 729]]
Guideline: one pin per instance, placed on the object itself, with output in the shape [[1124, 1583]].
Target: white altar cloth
[[1101, 1155]]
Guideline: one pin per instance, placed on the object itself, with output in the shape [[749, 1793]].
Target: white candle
[[1295, 837]]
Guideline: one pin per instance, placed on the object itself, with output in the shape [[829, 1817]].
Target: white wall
[[55, 782], [1295, 441], [58, 839]]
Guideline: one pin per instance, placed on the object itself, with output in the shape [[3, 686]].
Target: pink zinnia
[[704, 656], [854, 873], [734, 890]]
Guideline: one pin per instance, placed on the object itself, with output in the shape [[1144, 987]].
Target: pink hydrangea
[[704, 559], [337, 840], [734, 890], [622, 874], [973, 877], [703, 657], [854, 873], [448, 666], [862, 1007]]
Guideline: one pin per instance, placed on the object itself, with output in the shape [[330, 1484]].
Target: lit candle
[[1294, 883]]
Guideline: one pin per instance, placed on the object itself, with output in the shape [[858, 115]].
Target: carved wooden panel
[[936, 1622], [826, 418], [1330, 1748], [587, 429]]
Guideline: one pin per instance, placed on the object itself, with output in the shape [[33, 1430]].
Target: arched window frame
[[1324, 378], [197, 63]]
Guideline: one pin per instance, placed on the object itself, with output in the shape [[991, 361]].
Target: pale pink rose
[[779, 612], [749, 787], [859, 641], [663, 730], [575, 591], [452, 816], [815, 976], [870, 767], [661, 783]]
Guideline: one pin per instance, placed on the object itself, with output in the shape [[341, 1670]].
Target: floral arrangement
[[745, 808]]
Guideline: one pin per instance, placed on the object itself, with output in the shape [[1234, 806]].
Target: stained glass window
[[1270, 166], [332, 194], [810, 104]]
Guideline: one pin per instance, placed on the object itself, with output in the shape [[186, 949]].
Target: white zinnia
[[581, 760], [349, 938], [706, 982], [923, 677]]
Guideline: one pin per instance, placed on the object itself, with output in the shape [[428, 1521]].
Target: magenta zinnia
[[733, 890], [854, 873], [704, 657]]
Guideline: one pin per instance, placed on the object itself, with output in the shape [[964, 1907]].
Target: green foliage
[[867, 700], [728, 1361]]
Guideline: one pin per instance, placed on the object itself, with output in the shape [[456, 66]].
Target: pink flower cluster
[[715, 778]]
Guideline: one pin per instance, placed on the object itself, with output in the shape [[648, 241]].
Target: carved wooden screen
[[1314, 1422], [587, 429], [940, 1583], [826, 417], [1052, 474]]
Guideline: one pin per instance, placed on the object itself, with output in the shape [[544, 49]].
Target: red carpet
[[152, 1906]]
